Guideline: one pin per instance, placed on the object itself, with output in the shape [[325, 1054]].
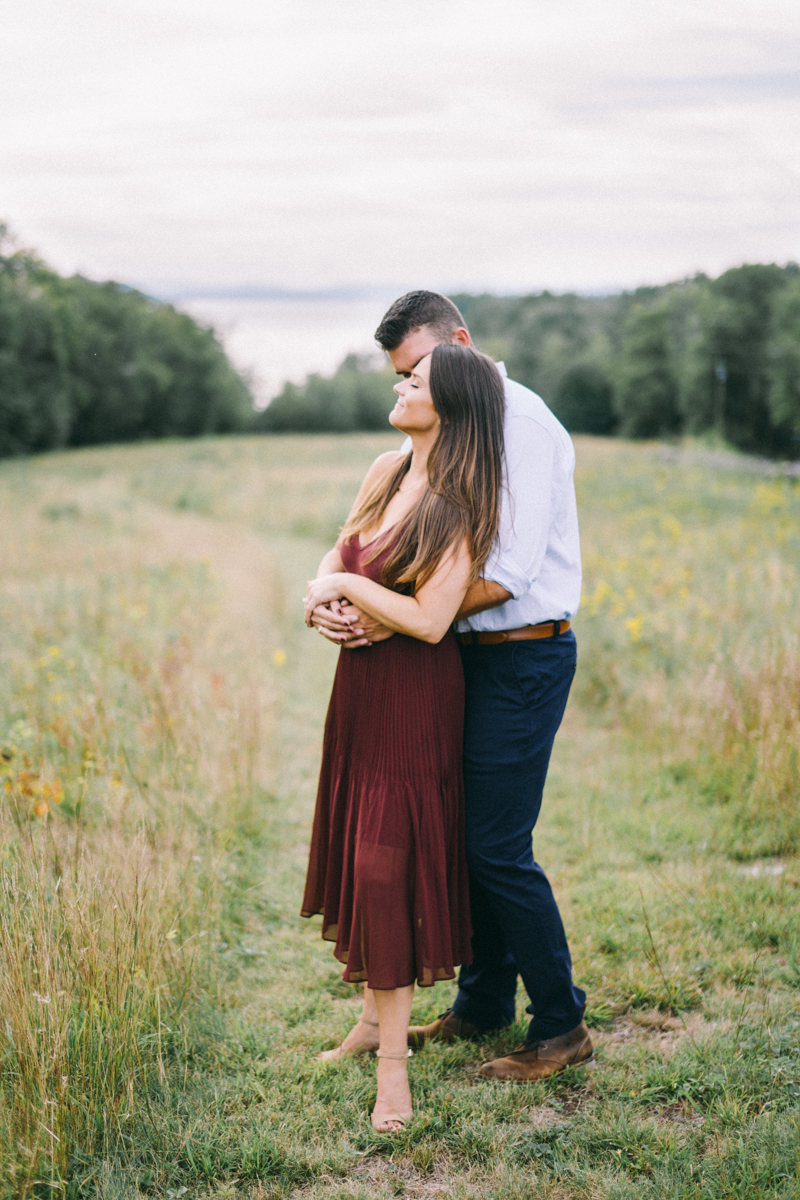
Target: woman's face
[[414, 411]]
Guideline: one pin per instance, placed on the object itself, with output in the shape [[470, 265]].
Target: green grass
[[161, 708]]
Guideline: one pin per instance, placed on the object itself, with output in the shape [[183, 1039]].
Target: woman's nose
[[396, 388]]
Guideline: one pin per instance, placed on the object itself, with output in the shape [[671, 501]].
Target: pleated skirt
[[386, 868]]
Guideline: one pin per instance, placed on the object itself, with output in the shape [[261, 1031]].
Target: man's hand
[[345, 625]]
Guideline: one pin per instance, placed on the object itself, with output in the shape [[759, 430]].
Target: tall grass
[[88, 987], [161, 707], [132, 748], [744, 729], [690, 630]]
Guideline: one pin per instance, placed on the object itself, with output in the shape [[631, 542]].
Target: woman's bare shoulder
[[383, 464], [380, 470]]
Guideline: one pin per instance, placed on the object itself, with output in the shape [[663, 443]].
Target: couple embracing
[[450, 590]]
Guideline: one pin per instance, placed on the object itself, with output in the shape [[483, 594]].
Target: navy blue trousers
[[516, 693]]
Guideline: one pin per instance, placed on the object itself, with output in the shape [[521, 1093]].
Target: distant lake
[[276, 340]]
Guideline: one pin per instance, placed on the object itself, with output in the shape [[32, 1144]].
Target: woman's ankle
[[394, 1091], [363, 1031]]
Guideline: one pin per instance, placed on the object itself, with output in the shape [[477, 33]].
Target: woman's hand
[[345, 625], [426, 615], [323, 591]]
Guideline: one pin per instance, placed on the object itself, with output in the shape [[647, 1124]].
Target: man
[[519, 659]]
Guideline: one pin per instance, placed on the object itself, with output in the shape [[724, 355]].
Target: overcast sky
[[501, 144]]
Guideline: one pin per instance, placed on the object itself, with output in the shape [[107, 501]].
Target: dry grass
[[161, 708], [690, 615], [136, 665]]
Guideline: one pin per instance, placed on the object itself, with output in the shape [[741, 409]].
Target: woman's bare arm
[[328, 618], [331, 562], [426, 616], [382, 465]]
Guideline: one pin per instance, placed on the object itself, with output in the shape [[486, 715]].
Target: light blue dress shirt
[[537, 554]]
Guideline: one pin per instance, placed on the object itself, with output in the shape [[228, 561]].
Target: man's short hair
[[412, 312]]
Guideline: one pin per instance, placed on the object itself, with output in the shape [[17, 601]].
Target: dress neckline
[[377, 538]]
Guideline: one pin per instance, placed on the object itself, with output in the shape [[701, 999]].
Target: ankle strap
[[399, 1057]]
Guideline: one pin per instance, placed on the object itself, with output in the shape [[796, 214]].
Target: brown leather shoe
[[446, 1028], [537, 1060]]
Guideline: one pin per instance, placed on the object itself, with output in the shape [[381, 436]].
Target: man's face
[[419, 343]]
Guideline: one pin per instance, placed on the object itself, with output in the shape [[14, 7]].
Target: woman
[[386, 866]]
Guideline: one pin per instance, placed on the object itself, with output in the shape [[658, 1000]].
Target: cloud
[[341, 142], [759, 87]]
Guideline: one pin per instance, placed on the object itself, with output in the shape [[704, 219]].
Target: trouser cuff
[[540, 1030], [482, 1017]]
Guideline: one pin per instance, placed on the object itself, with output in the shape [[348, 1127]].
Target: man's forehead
[[418, 344], [423, 336]]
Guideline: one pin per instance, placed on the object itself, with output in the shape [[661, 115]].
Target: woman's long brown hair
[[465, 468]]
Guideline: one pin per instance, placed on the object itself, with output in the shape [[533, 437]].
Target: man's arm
[[525, 513], [517, 555], [482, 595]]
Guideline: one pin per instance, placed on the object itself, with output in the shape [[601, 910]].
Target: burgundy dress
[[387, 867]]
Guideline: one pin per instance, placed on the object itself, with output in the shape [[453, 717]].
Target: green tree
[[83, 362], [646, 395], [34, 381], [783, 362], [728, 379], [142, 369], [584, 401], [541, 336], [354, 398]]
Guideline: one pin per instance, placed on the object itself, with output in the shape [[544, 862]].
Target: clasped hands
[[332, 615]]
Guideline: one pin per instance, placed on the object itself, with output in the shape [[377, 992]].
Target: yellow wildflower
[[634, 627]]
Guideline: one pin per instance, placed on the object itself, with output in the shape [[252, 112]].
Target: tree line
[[702, 354], [83, 363], [698, 355]]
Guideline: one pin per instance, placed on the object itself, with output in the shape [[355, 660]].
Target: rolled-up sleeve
[[519, 551]]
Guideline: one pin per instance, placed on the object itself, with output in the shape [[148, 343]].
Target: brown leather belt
[[546, 629]]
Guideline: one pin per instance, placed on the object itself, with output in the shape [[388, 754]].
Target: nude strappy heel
[[399, 1119]]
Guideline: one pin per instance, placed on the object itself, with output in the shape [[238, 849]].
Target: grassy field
[[161, 706]]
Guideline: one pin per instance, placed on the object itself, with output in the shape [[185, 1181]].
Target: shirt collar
[[501, 366]]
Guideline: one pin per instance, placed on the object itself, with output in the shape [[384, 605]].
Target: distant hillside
[[83, 363], [700, 354]]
